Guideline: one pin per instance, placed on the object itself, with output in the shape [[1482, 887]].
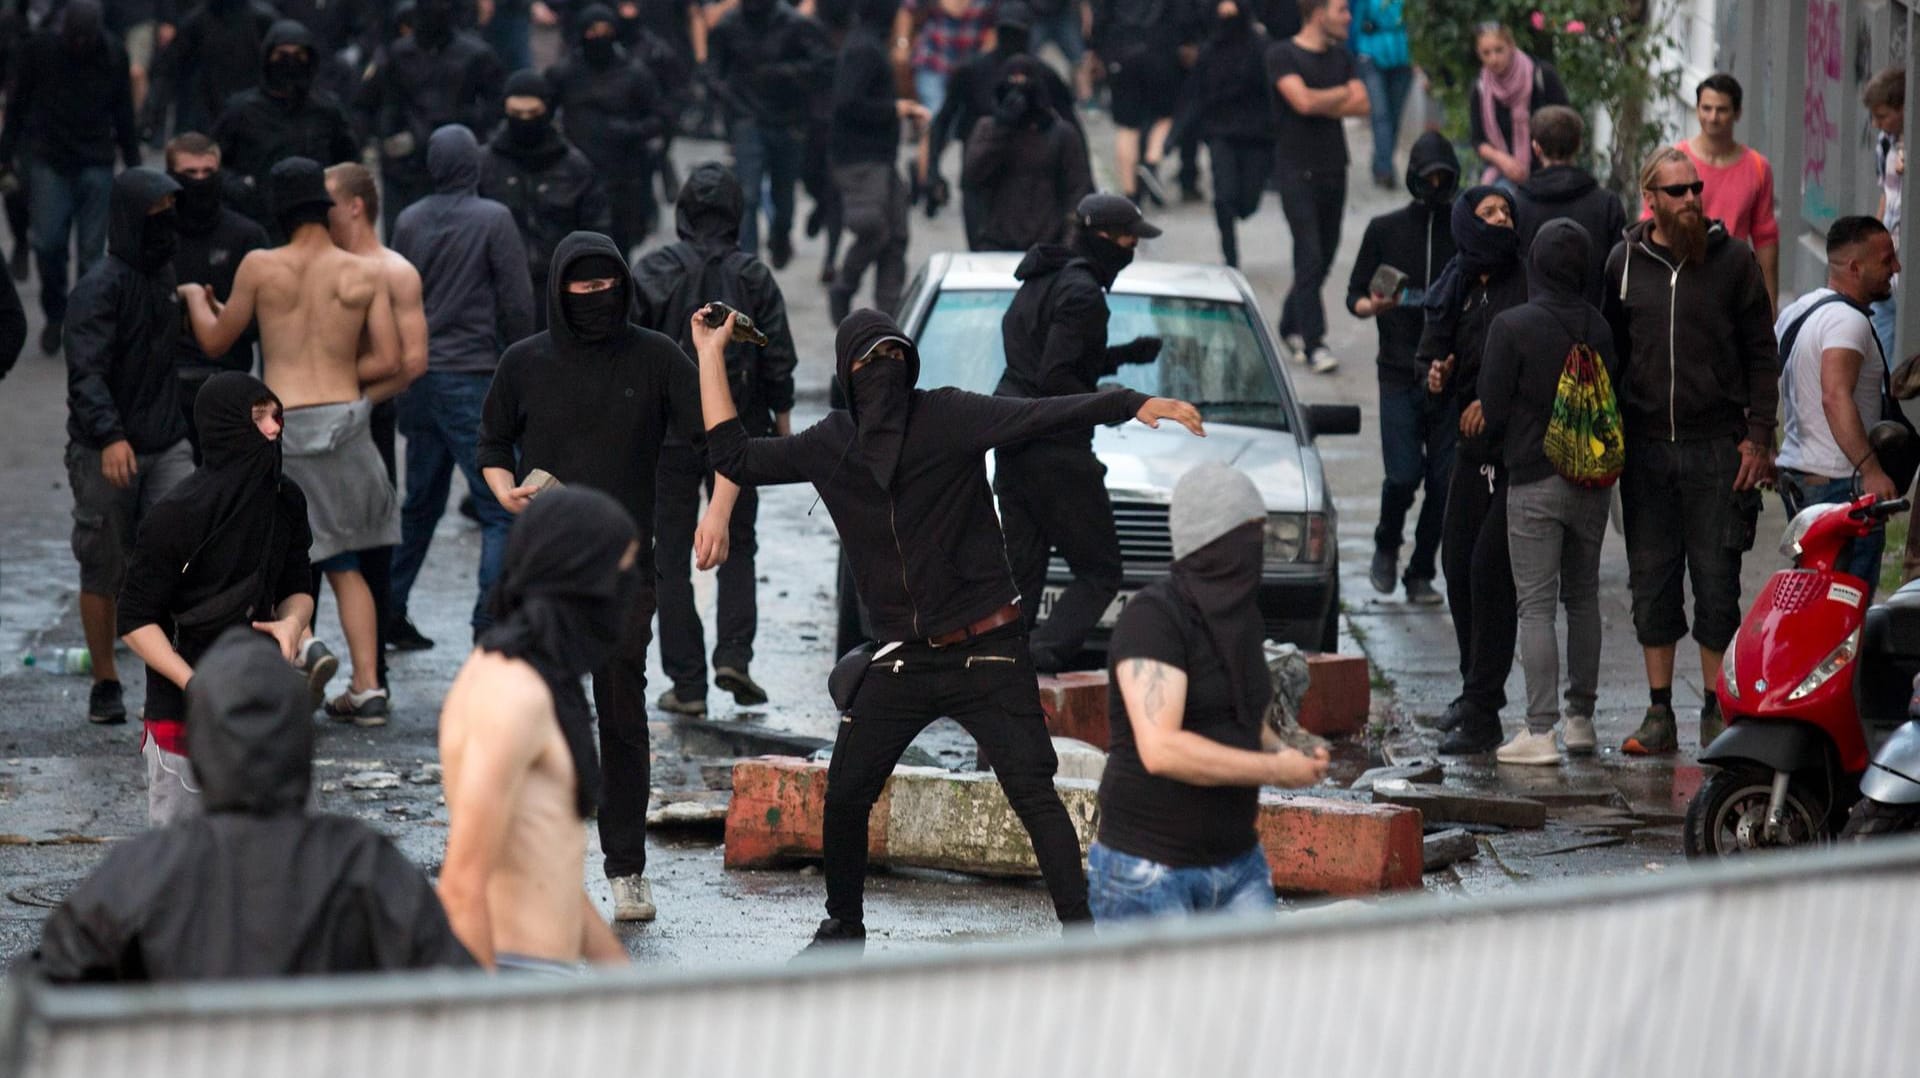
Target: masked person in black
[[1053, 492], [550, 186], [1486, 276], [225, 548], [1417, 429], [282, 117], [1230, 105], [670, 284], [589, 402], [1025, 169], [902, 473], [768, 62], [437, 75], [212, 58], [863, 145], [611, 106], [256, 887]]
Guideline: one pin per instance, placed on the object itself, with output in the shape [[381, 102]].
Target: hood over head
[[1560, 262], [286, 79], [223, 416], [1013, 28], [1217, 521], [583, 256], [535, 143], [529, 83], [1433, 153], [710, 205], [858, 333], [250, 728], [135, 192], [433, 22], [453, 160], [880, 394], [593, 13]]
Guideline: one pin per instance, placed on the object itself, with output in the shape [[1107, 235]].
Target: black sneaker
[[105, 707], [780, 251], [1455, 713], [735, 679], [319, 664], [1475, 733], [50, 339], [361, 709], [402, 636], [1386, 566], [1421, 592], [687, 703], [834, 936]]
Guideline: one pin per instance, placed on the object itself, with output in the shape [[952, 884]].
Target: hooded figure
[[215, 55], [256, 887], [1229, 105], [1024, 169], [436, 76], [1417, 240], [266, 124], [1556, 192], [551, 187], [615, 109], [561, 605]]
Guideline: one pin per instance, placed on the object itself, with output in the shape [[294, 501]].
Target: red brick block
[[1320, 846], [1076, 706], [1338, 697], [779, 807]]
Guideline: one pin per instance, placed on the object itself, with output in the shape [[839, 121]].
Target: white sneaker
[[1577, 736], [1322, 361], [632, 898], [1529, 748], [1296, 347]]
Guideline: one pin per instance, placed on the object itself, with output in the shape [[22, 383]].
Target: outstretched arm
[[218, 327]]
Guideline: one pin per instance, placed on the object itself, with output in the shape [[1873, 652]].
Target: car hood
[[1143, 464]]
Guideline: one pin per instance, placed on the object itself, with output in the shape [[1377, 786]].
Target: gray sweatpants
[[1554, 532]]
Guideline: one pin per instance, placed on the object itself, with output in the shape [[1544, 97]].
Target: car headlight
[[1292, 538], [1836, 661], [1727, 673]]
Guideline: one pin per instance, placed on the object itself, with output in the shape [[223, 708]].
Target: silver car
[[1219, 354]]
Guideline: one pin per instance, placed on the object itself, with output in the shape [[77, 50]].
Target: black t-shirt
[[1163, 819], [1308, 143]]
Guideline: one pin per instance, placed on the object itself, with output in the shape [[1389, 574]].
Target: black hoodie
[[257, 130], [926, 551], [1028, 177], [549, 185], [970, 98], [1568, 192], [122, 327], [865, 125], [211, 247], [1231, 97], [767, 66], [610, 111], [1416, 240], [1527, 348], [1701, 359], [672, 282], [256, 887], [213, 57], [1055, 332], [425, 85], [592, 413], [72, 110]]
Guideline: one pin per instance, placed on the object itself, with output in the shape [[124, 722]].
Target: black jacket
[[1568, 192], [672, 282], [611, 113], [970, 96], [1028, 178], [418, 89], [211, 255], [591, 413], [1416, 240], [927, 553], [865, 127], [121, 332], [71, 111], [1230, 96], [769, 72], [255, 888], [257, 131], [1527, 348], [1462, 334], [215, 55], [1701, 360], [552, 190], [1055, 333]]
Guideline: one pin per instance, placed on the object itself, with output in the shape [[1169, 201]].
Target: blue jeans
[[1862, 556], [61, 203], [1123, 887], [1063, 29], [440, 416], [1886, 326], [1417, 435], [770, 156], [1387, 96], [930, 87]]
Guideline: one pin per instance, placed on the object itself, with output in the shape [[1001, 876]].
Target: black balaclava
[[1011, 31], [197, 203], [80, 28], [593, 316], [1479, 248], [159, 240], [288, 78], [561, 606], [1108, 257], [1433, 154], [537, 132], [1023, 77], [598, 52], [433, 22], [878, 394], [1222, 581]]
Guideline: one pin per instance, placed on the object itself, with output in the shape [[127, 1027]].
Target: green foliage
[[1610, 65]]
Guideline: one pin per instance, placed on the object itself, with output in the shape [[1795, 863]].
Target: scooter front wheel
[[1870, 818], [1728, 817]]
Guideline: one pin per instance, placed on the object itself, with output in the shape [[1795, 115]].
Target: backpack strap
[[1792, 336]]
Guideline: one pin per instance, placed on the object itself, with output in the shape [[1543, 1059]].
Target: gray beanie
[[1209, 501]]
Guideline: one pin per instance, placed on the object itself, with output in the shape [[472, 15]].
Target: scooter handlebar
[[1889, 508]]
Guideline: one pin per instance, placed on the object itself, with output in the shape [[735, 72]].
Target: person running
[[902, 474], [863, 146], [516, 740], [1230, 103]]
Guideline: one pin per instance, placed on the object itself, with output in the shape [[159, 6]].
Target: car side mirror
[[1333, 419]]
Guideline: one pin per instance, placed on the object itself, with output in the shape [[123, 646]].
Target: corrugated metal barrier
[[1788, 965]]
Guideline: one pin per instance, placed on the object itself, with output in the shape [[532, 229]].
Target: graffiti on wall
[[1819, 124]]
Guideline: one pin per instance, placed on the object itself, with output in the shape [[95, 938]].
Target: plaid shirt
[[945, 40]]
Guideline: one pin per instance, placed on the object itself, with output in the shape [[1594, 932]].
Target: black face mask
[[597, 50], [159, 240], [594, 316], [197, 202], [289, 76], [1107, 256], [522, 131], [1222, 581], [880, 414], [1436, 197]]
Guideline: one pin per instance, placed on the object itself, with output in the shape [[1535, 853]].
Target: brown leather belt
[[1006, 615]]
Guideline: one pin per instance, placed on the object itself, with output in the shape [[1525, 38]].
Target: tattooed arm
[[1156, 699]]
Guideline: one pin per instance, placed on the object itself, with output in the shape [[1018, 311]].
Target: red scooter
[[1788, 765]]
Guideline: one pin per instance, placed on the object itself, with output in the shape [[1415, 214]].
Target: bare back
[[311, 301], [538, 867]]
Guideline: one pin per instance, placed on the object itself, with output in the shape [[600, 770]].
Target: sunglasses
[[1681, 190]]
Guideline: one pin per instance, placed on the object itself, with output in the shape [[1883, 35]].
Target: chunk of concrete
[[1075, 704], [1078, 760], [1428, 773], [1444, 805], [1447, 847], [1338, 697]]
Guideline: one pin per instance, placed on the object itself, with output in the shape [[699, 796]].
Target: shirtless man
[[517, 746], [316, 306]]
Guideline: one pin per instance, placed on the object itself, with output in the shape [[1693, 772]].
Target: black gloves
[[1138, 350], [1012, 108]]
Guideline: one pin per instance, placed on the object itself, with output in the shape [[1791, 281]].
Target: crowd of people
[[408, 229]]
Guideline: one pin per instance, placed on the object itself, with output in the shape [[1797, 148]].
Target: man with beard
[[589, 402], [612, 108], [516, 740], [670, 284], [212, 58], [282, 117], [1025, 168], [768, 62], [213, 240], [436, 75], [1053, 491], [1417, 429], [549, 185], [256, 887], [1689, 310], [902, 473], [863, 144]]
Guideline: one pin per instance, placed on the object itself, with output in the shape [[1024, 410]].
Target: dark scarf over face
[[233, 498], [1222, 581], [1107, 256], [879, 394], [1479, 249], [560, 606]]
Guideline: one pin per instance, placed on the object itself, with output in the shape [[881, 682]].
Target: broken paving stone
[[1423, 773], [1447, 847], [329, 787], [1440, 804], [372, 780], [427, 775], [690, 813]]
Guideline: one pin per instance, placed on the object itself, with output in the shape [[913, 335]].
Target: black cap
[[529, 83], [297, 182], [1113, 213], [1014, 14]]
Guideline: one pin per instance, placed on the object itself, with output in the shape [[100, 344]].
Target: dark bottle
[[743, 327]]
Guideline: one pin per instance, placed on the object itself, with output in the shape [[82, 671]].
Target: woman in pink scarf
[[1510, 87]]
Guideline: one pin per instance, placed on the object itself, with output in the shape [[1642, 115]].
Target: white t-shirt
[[1809, 445]]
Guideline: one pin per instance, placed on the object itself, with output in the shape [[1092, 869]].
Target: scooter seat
[[1889, 657]]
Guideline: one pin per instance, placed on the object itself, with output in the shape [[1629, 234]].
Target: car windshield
[[1211, 357]]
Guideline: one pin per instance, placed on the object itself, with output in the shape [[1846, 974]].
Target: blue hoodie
[[473, 266]]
